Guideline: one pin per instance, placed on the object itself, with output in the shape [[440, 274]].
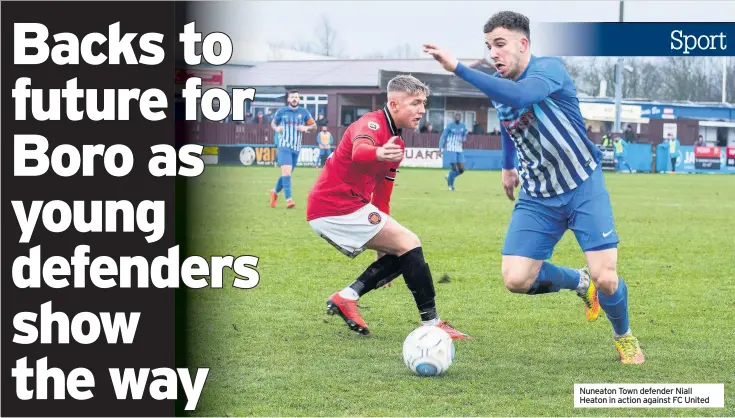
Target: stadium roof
[[335, 73], [257, 50], [656, 102]]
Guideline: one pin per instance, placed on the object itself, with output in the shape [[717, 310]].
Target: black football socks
[[418, 280], [377, 274]]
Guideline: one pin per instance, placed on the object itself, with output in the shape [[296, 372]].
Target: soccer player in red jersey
[[349, 206]]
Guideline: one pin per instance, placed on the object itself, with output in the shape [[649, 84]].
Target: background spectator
[[629, 135], [321, 121], [427, 129], [324, 140]]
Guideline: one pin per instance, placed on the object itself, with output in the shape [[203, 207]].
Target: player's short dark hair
[[292, 91], [408, 84], [511, 21]]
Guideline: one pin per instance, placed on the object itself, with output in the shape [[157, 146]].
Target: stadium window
[[315, 104], [436, 117], [449, 116], [312, 109], [722, 136], [493, 122], [436, 102], [267, 101], [321, 110], [469, 119], [352, 113], [270, 99]]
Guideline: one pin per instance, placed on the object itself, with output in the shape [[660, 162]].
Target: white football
[[428, 351]]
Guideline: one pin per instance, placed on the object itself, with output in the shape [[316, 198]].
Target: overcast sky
[[364, 27]]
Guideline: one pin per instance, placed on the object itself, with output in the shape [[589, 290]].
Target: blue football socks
[[279, 185], [287, 186], [552, 278], [452, 176], [616, 307]]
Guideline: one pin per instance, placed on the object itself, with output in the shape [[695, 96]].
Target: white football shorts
[[349, 233]]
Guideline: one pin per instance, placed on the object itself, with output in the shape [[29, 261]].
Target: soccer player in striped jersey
[[455, 133], [562, 186], [290, 122]]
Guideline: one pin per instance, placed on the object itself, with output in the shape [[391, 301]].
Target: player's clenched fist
[[390, 151]]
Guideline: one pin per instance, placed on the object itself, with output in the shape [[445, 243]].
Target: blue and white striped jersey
[[291, 119], [453, 136], [554, 154]]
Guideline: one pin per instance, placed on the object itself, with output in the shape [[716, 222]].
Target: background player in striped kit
[[290, 123], [455, 133], [562, 183]]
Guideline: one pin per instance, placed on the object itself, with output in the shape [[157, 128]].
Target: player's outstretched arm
[[511, 93], [516, 94]]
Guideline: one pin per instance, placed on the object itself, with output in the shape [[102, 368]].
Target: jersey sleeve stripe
[[364, 136]]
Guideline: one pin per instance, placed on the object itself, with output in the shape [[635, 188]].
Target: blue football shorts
[[287, 156], [537, 224], [453, 157]]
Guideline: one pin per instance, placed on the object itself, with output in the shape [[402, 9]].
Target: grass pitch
[[272, 350]]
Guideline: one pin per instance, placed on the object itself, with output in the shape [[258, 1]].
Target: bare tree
[[574, 69], [305, 46], [589, 77], [641, 78], [643, 81], [327, 42], [687, 78], [404, 51]]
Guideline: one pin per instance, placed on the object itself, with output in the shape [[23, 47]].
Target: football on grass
[[428, 351]]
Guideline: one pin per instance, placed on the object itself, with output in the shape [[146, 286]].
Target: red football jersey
[[344, 186]]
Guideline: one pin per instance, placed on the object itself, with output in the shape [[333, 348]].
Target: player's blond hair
[[405, 83]]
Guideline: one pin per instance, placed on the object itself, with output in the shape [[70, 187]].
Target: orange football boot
[[347, 309]]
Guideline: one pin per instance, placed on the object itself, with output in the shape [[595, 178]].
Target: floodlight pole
[[618, 84], [724, 79]]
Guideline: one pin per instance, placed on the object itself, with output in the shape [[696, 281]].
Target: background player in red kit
[[349, 206]]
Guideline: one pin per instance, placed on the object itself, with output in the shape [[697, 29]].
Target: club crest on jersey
[[374, 218], [373, 125]]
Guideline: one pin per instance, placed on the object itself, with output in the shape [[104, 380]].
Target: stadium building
[[343, 90]]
